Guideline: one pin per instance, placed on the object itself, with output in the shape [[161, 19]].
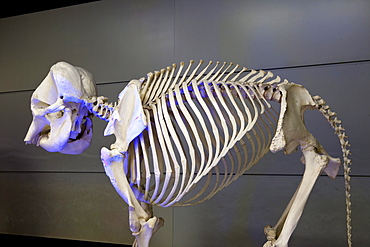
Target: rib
[[196, 128]]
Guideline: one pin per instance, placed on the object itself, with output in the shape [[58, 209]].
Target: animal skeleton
[[182, 137]]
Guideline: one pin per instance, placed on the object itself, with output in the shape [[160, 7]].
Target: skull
[[61, 122]]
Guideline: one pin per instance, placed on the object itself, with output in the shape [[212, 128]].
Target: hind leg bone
[[272, 232], [292, 132], [315, 165]]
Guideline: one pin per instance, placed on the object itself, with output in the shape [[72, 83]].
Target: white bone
[[141, 224], [260, 74], [274, 81], [218, 72], [177, 75], [169, 80], [167, 124], [144, 92], [267, 76], [128, 120], [162, 83], [161, 79], [230, 73], [162, 144], [172, 132], [183, 77], [203, 71], [206, 134], [292, 132], [315, 164], [245, 78], [209, 74], [194, 71], [218, 78], [113, 165], [61, 121], [151, 83], [238, 74]]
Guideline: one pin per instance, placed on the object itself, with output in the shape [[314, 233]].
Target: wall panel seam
[[247, 175]]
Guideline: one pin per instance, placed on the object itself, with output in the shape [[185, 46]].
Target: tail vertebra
[[340, 132]]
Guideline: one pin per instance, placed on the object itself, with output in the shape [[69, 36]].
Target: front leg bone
[[142, 224], [145, 229], [113, 165]]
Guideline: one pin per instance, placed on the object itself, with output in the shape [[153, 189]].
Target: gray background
[[323, 45]]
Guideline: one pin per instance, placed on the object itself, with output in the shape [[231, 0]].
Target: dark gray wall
[[323, 45]]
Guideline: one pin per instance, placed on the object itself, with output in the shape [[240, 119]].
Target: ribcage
[[199, 140], [201, 135]]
